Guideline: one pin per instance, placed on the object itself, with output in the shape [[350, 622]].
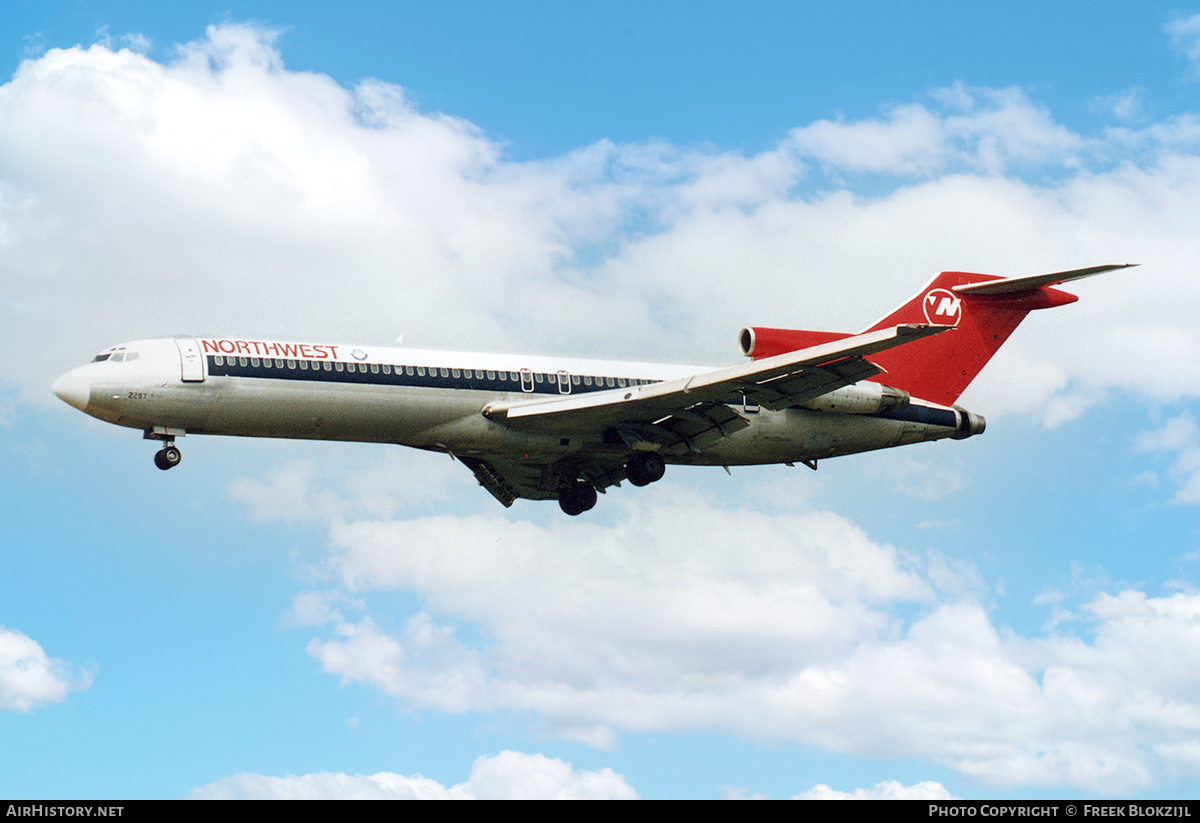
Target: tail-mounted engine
[[860, 398]]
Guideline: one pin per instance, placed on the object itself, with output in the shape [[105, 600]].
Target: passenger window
[[243, 361], [537, 377], [445, 373], [609, 382], [338, 366], [491, 375], [327, 366], [303, 365], [387, 369], [218, 360], [454, 372], [254, 361], [587, 380], [374, 368]]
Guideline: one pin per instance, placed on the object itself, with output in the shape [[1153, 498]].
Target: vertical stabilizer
[[984, 309]]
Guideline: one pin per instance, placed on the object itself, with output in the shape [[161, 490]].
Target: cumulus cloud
[[1185, 37], [270, 202], [884, 790], [1180, 437], [686, 614], [507, 776], [978, 130], [30, 678]]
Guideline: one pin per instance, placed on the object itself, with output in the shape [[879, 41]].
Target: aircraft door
[[191, 361], [564, 383], [526, 380]]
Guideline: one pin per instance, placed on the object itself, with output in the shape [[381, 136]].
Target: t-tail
[[983, 308]]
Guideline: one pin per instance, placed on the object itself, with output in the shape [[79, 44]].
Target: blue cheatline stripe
[[362, 373], [921, 414], [392, 375]]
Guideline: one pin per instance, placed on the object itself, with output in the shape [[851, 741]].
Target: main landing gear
[[168, 456], [644, 468], [576, 497]]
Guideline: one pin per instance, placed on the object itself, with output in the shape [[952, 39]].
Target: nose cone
[[74, 389]]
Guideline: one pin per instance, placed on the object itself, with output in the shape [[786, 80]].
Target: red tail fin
[[939, 368], [983, 308]]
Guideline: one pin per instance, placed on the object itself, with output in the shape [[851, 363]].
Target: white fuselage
[[433, 400]]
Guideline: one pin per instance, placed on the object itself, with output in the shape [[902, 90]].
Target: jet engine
[[758, 342], [860, 398]]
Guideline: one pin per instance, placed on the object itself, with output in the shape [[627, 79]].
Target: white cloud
[[983, 130], [1125, 106], [1181, 436], [884, 790], [272, 202], [347, 482], [506, 776], [685, 614], [278, 203], [1185, 37], [29, 678]]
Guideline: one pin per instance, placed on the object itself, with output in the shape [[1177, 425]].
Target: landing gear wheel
[[167, 457], [644, 468], [576, 497]]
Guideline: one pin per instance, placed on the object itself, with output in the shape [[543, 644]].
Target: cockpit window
[[117, 355]]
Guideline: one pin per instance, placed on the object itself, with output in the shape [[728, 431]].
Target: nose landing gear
[[167, 457]]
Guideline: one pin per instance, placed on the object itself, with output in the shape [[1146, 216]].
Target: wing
[[694, 412]]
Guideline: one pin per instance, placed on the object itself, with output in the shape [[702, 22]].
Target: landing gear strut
[[576, 497], [644, 468], [168, 456]]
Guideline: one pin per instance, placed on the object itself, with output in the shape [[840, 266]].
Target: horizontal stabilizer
[[1011, 285]]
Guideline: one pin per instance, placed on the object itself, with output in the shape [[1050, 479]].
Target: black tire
[[167, 457], [645, 468], [576, 497], [587, 494]]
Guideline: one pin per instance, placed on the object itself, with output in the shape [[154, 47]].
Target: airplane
[[544, 428]]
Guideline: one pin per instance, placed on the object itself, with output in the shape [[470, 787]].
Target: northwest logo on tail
[[942, 307]]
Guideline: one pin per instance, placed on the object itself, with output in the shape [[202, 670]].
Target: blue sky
[[1014, 615]]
